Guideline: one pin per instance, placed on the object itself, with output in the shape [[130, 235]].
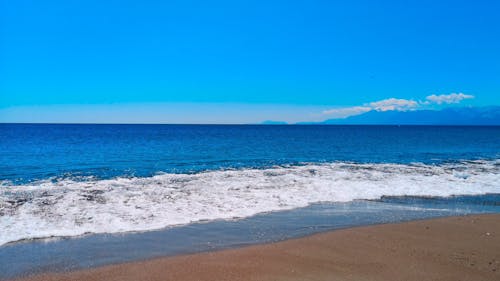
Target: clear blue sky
[[239, 61]]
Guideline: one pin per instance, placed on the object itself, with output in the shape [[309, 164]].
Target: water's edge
[[63, 254], [69, 207]]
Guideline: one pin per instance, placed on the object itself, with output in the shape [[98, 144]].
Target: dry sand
[[457, 248]]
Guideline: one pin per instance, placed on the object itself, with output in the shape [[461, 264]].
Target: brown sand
[[457, 248]]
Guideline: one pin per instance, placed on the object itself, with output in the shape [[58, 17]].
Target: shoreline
[[451, 248]]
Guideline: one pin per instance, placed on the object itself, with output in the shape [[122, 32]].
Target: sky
[[243, 61]]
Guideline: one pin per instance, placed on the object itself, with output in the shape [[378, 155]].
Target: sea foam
[[69, 207]]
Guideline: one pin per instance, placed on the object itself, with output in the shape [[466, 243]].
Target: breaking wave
[[70, 207]]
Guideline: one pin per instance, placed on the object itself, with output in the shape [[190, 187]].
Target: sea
[[69, 191]]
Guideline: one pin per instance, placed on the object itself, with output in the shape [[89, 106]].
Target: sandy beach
[[455, 248]]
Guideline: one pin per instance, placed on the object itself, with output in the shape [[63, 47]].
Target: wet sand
[[455, 248]]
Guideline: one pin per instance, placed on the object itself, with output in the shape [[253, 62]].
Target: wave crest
[[69, 207]]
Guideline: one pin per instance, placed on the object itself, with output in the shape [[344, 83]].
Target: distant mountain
[[271, 122], [450, 116]]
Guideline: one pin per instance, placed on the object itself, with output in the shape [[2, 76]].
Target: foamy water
[[74, 207]]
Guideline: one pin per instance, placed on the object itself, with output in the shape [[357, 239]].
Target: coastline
[[451, 248]]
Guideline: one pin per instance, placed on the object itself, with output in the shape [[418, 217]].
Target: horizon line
[[248, 124]]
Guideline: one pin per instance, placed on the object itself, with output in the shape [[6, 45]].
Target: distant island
[[475, 116]]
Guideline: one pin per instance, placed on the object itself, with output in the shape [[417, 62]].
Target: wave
[[69, 207]]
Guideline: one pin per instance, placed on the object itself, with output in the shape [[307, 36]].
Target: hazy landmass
[[450, 116]]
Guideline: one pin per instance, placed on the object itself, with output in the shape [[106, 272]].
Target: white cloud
[[382, 105], [346, 111], [393, 104], [451, 98]]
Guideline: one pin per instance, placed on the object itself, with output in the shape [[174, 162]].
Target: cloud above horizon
[[347, 111], [451, 98], [395, 104]]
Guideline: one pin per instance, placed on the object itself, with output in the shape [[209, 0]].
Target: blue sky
[[242, 61]]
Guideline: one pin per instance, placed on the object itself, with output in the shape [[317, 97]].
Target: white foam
[[69, 207]]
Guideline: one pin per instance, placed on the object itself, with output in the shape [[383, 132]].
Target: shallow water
[[73, 207], [61, 254]]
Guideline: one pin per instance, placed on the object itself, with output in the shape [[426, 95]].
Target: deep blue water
[[30, 152]]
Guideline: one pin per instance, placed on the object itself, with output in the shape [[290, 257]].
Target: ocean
[[226, 184]]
